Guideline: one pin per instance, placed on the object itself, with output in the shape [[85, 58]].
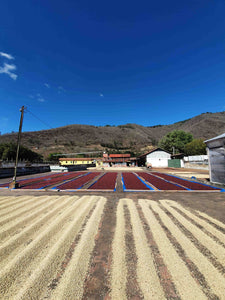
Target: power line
[[39, 119], [56, 136]]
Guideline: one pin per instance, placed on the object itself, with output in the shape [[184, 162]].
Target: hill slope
[[131, 137]]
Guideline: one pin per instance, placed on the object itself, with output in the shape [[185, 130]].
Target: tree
[[8, 152], [54, 156], [177, 139], [196, 147]]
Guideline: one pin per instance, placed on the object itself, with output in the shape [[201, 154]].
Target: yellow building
[[81, 161]]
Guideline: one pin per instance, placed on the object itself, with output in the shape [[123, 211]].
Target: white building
[[157, 158], [216, 153]]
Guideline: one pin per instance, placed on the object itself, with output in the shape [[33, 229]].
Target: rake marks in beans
[[88, 247]]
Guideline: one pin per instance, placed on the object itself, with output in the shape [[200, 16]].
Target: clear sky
[[110, 62]]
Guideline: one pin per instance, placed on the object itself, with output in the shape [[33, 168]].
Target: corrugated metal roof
[[153, 151], [216, 138]]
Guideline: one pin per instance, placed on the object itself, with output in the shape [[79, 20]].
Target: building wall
[[121, 164], [216, 154], [196, 162], [158, 159], [217, 165], [81, 162], [197, 165], [75, 162], [196, 158]]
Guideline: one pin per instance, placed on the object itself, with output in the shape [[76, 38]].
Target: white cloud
[[41, 99], [6, 55], [101, 95], [37, 97], [61, 89], [7, 69], [47, 85]]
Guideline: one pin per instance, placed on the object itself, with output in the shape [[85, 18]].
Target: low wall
[[9, 172], [21, 164], [57, 168], [197, 165]]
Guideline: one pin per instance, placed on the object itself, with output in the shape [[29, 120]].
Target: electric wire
[[39, 119], [54, 135]]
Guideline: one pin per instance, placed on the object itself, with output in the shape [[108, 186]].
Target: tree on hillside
[[8, 152], [177, 139], [54, 156], [195, 147]]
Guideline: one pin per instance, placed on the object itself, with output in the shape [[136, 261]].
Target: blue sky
[[110, 62]]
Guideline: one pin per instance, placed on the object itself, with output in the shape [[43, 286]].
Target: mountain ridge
[[128, 137]]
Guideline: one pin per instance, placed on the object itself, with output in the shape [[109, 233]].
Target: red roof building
[[119, 160]]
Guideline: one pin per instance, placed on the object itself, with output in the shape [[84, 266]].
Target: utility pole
[[173, 150], [14, 184]]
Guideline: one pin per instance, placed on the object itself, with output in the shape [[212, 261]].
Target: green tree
[[196, 147], [54, 156], [8, 152], [177, 139]]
